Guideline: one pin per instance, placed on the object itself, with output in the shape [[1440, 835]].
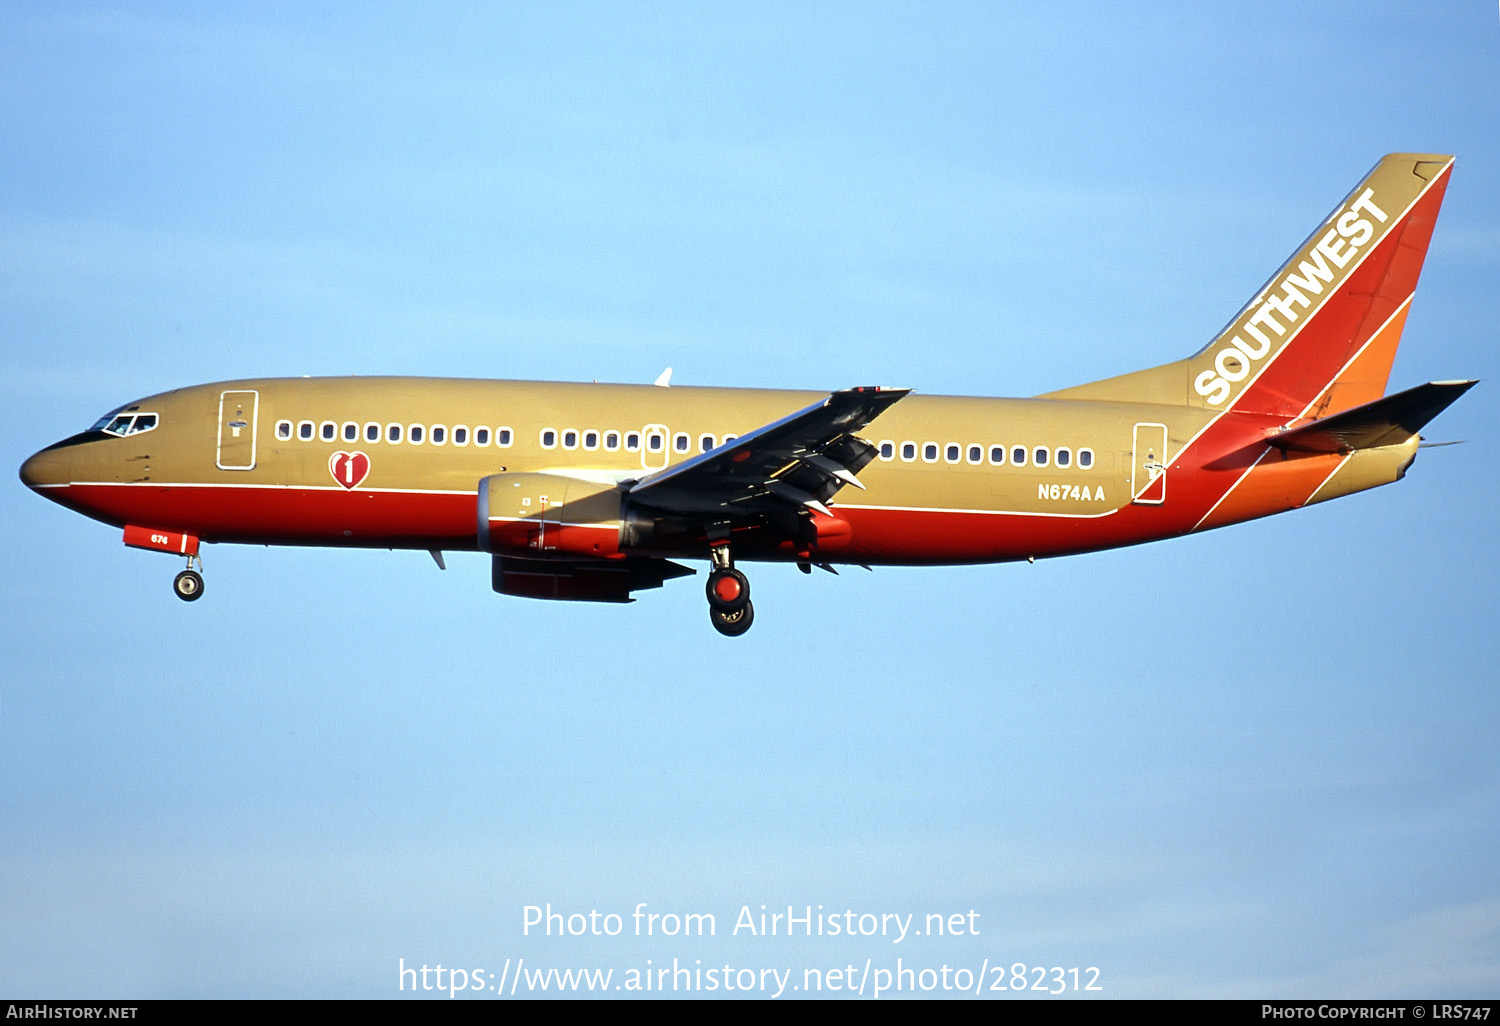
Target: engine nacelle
[[550, 516]]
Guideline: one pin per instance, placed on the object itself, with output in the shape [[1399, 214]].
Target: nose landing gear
[[189, 584], [729, 608]]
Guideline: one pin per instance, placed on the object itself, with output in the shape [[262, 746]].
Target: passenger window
[[908, 451], [591, 440], [503, 438], [481, 436], [951, 452], [460, 436], [393, 434], [929, 452], [549, 438], [414, 434], [888, 450], [372, 432], [330, 430], [305, 430], [1085, 458], [655, 441], [997, 455], [729, 438], [1018, 456], [439, 434], [976, 454], [680, 442], [1064, 457], [612, 441], [1039, 456], [570, 439], [283, 429], [705, 443], [351, 431], [633, 442]]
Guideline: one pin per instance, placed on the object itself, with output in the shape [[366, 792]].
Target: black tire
[[731, 605], [732, 625], [188, 585]]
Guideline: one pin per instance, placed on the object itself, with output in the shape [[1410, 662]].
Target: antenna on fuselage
[[664, 380]]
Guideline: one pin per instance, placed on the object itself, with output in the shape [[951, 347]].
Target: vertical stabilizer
[[1321, 334]]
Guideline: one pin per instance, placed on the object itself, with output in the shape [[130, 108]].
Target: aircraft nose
[[47, 468]]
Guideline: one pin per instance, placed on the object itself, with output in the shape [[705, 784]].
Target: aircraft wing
[[800, 460], [1385, 421]]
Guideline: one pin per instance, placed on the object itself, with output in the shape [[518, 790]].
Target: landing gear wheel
[[188, 585], [732, 625], [728, 591]]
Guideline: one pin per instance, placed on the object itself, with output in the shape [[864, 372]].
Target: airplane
[[590, 492]]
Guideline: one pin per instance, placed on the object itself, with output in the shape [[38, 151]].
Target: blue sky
[[1255, 762]]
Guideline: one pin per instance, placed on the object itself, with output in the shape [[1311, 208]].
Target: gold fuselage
[[946, 489]]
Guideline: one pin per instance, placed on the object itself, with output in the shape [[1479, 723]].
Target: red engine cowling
[[550, 516]]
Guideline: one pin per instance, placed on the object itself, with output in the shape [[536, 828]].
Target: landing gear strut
[[189, 584], [729, 608]]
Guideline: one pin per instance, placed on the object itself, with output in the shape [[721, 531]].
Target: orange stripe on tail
[[1364, 378], [1274, 485]]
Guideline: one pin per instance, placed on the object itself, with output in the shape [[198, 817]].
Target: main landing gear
[[189, 584], [729, 608]]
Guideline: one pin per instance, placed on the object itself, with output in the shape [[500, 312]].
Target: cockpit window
[[121, 424], [103, 422]]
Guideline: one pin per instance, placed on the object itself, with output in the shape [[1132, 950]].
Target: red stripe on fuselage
[[336, 517], [427, 520], [285, 516]]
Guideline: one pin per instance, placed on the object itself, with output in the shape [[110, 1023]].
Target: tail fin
[[1321, 334]]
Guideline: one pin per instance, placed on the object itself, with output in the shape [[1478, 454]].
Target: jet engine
[[551, 516], [560, 537]]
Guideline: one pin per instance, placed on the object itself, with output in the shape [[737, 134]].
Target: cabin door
[[237, 412], [1148, 467]]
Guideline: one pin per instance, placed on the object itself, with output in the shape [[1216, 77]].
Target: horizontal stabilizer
[[1386, 421]]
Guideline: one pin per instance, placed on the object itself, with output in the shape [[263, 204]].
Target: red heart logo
[[348, 468]]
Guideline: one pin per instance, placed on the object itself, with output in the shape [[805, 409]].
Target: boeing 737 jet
[[589, 492]]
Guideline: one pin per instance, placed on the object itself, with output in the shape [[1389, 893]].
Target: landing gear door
[[1148, 467], [237, 412]]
